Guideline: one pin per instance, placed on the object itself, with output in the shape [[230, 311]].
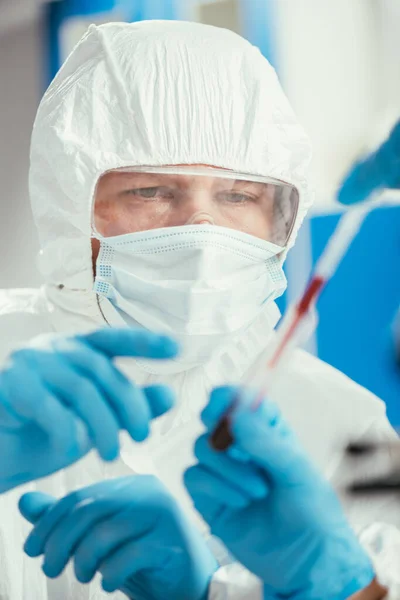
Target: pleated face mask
[[194, 252]]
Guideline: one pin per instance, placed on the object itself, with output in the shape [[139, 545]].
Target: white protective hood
[[149, 93]]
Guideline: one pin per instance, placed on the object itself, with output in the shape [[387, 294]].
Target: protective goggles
[[133, 199]]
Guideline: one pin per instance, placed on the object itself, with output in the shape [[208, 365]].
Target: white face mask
[[201, 284]]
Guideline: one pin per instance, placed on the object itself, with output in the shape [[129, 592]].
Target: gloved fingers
[[29, 400], [94, 516], [374, 172], [134, 412], [238, 398], [62, 360], [105, 537], [200, 481], [61, 425], [211, 511], [127, 560], [129, 403], [10, 417], [89, 405], [37, 539], [358, 184], [160, 398], [131, 342], [33, 505], [272, 445], [147, 501], [246, 477], [262, 434], [76, 393], [221, 399]]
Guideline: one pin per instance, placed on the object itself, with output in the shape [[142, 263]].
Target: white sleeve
[[234, 582], [382, 542]]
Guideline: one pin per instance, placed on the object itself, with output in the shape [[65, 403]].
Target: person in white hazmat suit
[[168, 180]]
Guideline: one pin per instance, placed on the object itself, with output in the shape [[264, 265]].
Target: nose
[[199, 207], [200, 218]]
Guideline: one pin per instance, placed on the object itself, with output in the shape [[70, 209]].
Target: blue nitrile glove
[[296, 538], [61, 396], [379, 170], [131, 530]]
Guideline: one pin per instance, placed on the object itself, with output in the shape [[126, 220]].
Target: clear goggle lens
[[136, 199]]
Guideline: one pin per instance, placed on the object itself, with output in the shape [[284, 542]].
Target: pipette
[[298, 322]]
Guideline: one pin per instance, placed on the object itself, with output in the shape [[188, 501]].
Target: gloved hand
[[295, 538], [63, 395], [379, 170], [131, 530]]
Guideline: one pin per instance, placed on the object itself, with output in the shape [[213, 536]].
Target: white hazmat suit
[[163, 93]]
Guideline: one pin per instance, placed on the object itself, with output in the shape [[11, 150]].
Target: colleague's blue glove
[[379, 170], [63, 395], [131, 530], [296, 538]]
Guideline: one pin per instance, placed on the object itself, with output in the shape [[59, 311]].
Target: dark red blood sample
[[221, 438], [311, 293]]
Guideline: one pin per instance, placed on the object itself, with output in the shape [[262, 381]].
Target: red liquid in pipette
[[221, 438], [309, 297]]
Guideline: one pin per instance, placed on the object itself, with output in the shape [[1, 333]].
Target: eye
[[150, 193], [236, 197]]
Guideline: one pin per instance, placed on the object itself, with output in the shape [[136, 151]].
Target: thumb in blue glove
[[295, 537], [74, 381], [33, 506]]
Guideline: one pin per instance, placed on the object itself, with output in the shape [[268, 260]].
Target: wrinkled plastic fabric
[[382, 542], [153, 93], [156, 93], [233, 582]]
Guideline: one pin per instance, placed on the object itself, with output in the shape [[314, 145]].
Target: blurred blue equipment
[[378, 171], [384, 484]]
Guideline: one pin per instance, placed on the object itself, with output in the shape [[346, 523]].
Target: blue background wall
[[359, 304]]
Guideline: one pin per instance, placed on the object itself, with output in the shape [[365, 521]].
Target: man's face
[[129, 201]]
